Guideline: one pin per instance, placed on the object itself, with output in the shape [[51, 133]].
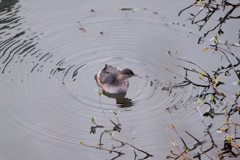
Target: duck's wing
[[108, 74]]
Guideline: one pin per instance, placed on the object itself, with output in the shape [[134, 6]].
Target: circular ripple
[[50, 68]]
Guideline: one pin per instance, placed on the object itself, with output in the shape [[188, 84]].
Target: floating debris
[[101, 33], [122, 9], [151, 83], [92, 10], [60, 69], [155, 12], [82, 29]]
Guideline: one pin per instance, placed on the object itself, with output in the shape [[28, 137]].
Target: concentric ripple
[[49, 57]]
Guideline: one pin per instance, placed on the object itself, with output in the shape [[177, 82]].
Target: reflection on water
[[121, 100], [48, 60]]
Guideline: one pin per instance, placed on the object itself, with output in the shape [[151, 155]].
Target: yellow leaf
[[183, 158], [199, 101], [200, 77], [235, 146], [215, 80], [100, 92], [201, 147], [229, 138], [173, 126], [202, 73], [222, 129], [200, 1], [211, 98], [111, 133], [205, 49], [81, 141], [93, 119], [225, 112], [228, 121], [171, 150], [173, 143]]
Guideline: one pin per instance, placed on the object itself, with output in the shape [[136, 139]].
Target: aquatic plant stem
[[97, 147], [214, 88], [97, 126], [186, 78], [228, 60], [113, 138], [179, 155], [189, 62], [173, 128], [107, 115]]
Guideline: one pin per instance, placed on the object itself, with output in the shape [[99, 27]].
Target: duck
[[114, 80]]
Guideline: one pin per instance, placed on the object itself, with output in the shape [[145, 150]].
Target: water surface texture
[[50, 52]]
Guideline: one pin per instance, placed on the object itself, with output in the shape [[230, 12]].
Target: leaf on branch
[[222, 129], [229, 138], [205, 49], [211, 98], [199, 101], [93, 119], [100, 92], [228, 121], [237, 93]]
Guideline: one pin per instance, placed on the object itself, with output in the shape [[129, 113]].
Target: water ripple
[[49, 67]]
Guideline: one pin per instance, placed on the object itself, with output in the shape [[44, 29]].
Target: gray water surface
[[46, 111]]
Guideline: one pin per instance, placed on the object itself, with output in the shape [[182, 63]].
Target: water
[[48, 65]]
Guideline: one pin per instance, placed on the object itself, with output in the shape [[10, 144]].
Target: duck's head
[[125, 74]]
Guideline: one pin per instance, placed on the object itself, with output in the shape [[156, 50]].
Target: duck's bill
[[135, 75]]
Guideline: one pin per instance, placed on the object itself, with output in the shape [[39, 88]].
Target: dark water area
[[50, 52]]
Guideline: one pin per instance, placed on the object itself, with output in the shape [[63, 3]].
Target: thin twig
[[97, 147], [107, 116], [228, 60], [113, 138], [191, 63]]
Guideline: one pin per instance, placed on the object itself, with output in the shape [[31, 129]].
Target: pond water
[[50, 53]]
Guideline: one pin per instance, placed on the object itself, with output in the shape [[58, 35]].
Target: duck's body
[[114, 80]]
